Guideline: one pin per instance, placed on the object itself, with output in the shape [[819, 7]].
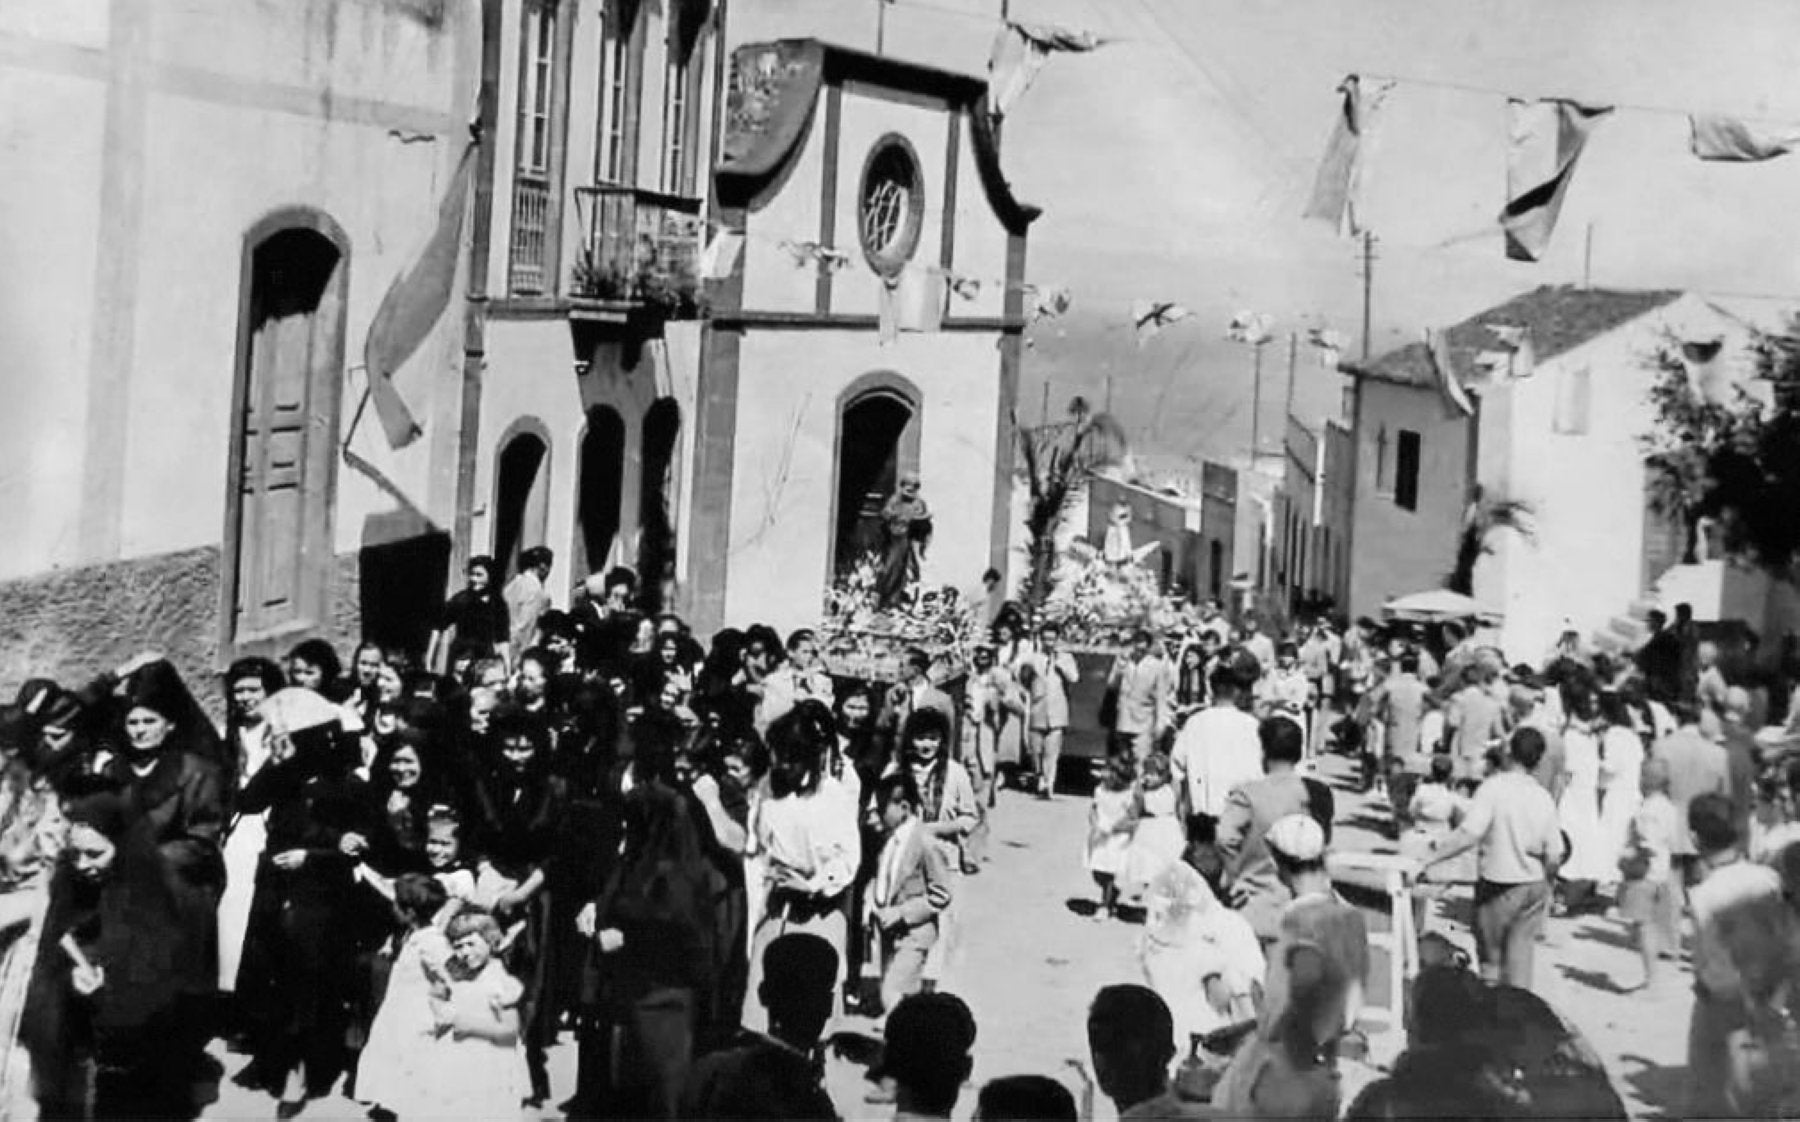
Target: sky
[[1173, 164]]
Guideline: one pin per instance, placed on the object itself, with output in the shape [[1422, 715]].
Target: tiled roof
[[1558, 318]]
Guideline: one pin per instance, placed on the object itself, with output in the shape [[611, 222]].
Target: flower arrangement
[[862, 639], [1099, 604]]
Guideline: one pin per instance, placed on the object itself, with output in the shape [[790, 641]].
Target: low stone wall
[[72, 623]]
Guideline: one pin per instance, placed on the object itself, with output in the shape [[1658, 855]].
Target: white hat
[[1298, 837]]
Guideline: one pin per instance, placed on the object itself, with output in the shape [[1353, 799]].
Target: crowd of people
[[1652, 786], [409, 879]]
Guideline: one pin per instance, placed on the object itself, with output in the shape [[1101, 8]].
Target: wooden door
[[287, 432]]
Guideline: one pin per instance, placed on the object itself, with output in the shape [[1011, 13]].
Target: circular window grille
[[892, 206]]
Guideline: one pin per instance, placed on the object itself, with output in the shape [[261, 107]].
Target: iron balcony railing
[[638, 247]]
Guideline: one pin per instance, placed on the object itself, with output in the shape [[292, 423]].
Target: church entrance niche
[[872, 452], [602, 484], [521, 498]]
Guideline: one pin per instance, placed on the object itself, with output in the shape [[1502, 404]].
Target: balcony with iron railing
[[639, 254]]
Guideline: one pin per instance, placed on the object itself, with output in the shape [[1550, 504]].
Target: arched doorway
[[656, 517], [284, 448], [521, 496], [877, 440], [600, 497]]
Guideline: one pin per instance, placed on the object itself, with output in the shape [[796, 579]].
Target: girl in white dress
[[1578, 810], [1157, 840], [476, 1067], [392, 1072], [1111, 820], [1621, 771]]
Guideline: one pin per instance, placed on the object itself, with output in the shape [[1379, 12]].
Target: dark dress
[[132, 1048], [635, 1052], [519, 816], [298, 977], [478, 619], [183, 801]]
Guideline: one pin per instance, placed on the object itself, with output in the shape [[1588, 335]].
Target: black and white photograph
[[1019, 560]]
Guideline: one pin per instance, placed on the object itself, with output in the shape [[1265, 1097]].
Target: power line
[[1630, 107]]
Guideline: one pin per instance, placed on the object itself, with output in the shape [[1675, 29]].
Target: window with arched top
[[877, 441], [521, 492]]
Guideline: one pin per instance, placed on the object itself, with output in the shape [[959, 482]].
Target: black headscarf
[[157, 686], [130, 924]]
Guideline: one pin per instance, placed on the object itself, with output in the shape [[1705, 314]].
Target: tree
[[1057, 459], [1729, 456], [1485, 518]]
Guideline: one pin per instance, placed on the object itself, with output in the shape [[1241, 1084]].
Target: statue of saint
[[905, 531]]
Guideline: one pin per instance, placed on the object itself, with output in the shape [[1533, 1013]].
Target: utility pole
[[1109, 393], [1587, 259], [1046, 414], [1368, 279], [1293, 374], [881, 7], [1256, 407]]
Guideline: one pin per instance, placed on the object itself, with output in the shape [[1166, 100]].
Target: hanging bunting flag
[[1254, 328], [1512, 359], [1437, 345], [1020, 51], [812, 253], [1546, 139], [913, 302], [1149, 317], [969, 288], [1705, 373], [721, 255], [1328, 345], [1730, 140], [413, 305], [1048, 301], [1338, 184]]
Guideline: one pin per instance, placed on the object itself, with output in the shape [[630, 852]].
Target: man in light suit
[[912, 888], [1145, 682], [913, 692]]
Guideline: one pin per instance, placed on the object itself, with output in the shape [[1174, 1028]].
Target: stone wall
[[72, 623]]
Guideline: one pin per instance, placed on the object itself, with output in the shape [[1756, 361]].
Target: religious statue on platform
[[906, 531]]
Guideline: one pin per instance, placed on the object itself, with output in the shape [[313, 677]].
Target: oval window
[[891, 208]]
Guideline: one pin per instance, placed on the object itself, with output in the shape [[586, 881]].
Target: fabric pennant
[[967, 288], [1437, 345], [812, 253], [912, 302], [1337, 186], [721, 255], [1730, 140], [1048, 301], [1254, 328], [1545, 141], [1020, 51], [413, 305], [1328, 345], [1149, 317]]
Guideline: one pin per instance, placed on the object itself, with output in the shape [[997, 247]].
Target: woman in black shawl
[[519, 806], [115, 996], [298, 977], [652, 928]]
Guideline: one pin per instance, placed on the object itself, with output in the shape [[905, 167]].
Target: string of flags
[[1545, 140]]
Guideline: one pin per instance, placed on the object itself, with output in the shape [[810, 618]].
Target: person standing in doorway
[[527, 596]]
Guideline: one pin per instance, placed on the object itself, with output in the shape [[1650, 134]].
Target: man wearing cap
[[1513, 820], [1317, 970], [925, 1056]]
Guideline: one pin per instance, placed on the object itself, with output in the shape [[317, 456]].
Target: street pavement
[[1028, 965]]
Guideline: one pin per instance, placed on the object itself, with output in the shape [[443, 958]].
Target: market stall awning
[[1437, 606]]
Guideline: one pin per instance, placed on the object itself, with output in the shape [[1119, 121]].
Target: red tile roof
[[1558, 318]]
